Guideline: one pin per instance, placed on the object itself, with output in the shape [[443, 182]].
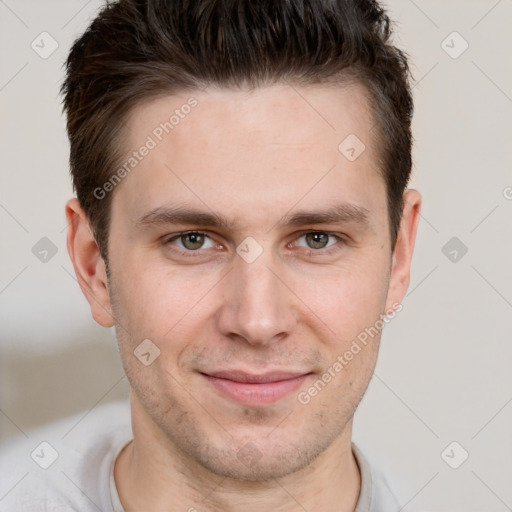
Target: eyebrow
[[337, 214]]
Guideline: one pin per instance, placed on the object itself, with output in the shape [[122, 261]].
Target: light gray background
[[444, 370]]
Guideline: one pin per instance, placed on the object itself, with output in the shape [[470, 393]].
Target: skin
[[253, 157]]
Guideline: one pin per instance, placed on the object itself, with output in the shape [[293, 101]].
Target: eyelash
[[309, 252]]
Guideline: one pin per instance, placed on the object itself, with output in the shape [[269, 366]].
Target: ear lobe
[[88, 264], [404, 248]]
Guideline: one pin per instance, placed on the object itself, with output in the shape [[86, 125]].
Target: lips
[[255, 389], [239, 376]]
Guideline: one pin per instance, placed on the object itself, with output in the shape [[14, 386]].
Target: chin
[[256, 463], [260, 471]]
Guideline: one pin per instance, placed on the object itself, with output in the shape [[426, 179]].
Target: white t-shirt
[[69, 466]]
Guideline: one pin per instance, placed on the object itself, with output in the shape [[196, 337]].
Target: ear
[[88, 264], [402, 254]]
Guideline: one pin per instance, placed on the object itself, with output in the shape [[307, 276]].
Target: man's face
[[283, 300]]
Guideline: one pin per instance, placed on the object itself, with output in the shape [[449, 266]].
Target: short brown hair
[[138, 49]]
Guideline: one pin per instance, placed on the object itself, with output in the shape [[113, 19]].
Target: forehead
[[252, 150], [280, 114]]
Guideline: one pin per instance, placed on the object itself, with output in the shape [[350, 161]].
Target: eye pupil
[[192, 240], [317, 240]]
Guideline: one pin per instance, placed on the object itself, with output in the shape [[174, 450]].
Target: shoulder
[[376, 494], [64, 465]]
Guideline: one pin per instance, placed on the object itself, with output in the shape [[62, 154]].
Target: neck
[[152, 473]]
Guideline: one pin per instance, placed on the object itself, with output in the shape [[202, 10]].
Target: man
[[242, 219]]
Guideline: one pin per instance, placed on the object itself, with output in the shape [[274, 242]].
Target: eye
[[318, 240], [192, 241], [196, 243]]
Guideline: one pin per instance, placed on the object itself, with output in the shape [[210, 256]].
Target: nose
[[258, 307]]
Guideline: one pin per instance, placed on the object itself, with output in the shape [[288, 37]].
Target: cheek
[[155, 301], [350, 304], [347, 300]]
